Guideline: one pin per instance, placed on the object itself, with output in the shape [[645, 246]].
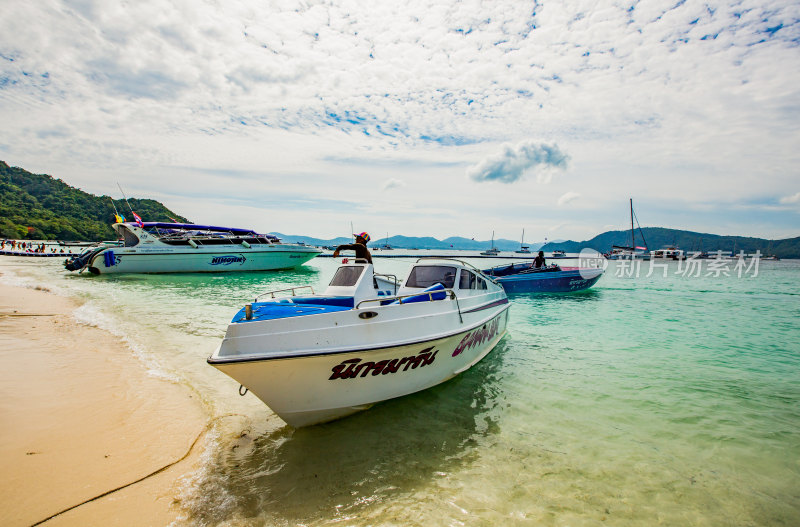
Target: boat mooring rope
[[160, 470]]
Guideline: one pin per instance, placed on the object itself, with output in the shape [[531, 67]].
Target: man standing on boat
[[538, 262], [360, 247]]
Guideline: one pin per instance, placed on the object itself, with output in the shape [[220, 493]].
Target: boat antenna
[[124, 196], [116, 213]]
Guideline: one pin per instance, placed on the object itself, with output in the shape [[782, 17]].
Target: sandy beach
[[80, 416]]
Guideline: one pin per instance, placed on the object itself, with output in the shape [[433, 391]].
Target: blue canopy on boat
[[195, 227]]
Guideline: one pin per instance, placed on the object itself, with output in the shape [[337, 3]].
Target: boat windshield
[[468, 280], [131, 239], [428, 275], [347, 276]]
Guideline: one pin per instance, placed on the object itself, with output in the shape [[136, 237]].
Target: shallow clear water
[[652, 399]]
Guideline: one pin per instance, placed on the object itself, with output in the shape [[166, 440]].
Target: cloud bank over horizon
[[307, 104]]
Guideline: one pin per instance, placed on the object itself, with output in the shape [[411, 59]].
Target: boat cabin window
[[347, 276], [427, 275], [130, 238], [468, 280], [481, 283]]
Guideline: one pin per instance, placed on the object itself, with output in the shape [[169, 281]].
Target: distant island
[[660, 237], [40, 207]]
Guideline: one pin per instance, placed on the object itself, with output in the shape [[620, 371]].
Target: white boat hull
[[201, 260], [315, 388]]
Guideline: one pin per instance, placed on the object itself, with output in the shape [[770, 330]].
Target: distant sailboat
[[493, 251], [622, 252], [522, 247]]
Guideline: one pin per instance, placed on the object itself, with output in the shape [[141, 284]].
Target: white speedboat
[[315, 358], [188, 248]]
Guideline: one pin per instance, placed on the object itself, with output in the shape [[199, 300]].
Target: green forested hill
[[40, 207]]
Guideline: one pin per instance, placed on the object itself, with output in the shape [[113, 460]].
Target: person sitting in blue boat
[[538, 262], [360, 247]]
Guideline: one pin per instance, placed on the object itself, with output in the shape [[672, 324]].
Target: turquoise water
[[672, 400]]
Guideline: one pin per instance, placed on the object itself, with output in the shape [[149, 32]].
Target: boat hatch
[[347, 276]]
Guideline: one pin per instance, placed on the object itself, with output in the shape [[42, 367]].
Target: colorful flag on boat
[[138, 219], [119, 218]]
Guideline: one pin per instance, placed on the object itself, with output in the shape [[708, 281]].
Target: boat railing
[[448, 293], [293, 290], [389, 278]]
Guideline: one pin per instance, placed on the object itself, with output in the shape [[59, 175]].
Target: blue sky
[[414, 117]]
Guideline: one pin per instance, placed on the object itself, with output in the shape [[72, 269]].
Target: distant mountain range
[[410, 242], [656, 238]]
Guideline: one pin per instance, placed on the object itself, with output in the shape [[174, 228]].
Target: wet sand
[[80, 416]]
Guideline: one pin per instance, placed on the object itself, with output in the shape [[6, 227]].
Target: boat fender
[[245, 244], [108, 259], [193, 243]]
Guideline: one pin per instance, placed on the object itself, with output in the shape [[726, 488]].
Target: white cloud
[[513, 162], [393, 183], [794, 198], [566, 198]]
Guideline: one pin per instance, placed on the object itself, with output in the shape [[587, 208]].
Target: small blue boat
[[524, 278]]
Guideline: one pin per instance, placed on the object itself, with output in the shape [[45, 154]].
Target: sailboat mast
[[633, 243]]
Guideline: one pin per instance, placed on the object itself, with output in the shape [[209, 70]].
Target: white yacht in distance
[[669, 253], [153, 247]]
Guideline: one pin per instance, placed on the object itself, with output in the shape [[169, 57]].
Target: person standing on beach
[[360, 247]]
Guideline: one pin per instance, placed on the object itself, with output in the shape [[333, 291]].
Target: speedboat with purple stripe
[[155, 247], [524, 278], [368, 338]]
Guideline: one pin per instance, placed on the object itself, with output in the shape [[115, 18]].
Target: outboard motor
[[77, 263]]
